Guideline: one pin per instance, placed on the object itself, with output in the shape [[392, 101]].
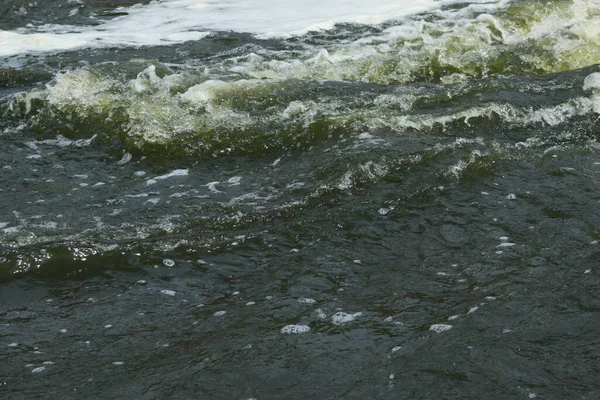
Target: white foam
[[177, 172], [177, 21], [219, 313], [437, 328], [37, 370], [125, 159], [506, 244], [168, 292], [168, 262], [306, 300], [290, 329], [234, 181], [341, 318], [592, 83]]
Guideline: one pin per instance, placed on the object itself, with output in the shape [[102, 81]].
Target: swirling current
[[300, 200]]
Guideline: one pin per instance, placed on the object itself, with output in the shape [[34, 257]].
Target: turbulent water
[[299, 199]]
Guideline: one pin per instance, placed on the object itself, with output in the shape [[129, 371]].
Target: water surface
[[301, 200]]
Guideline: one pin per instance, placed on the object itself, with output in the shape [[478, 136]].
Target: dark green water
[[397, 211]]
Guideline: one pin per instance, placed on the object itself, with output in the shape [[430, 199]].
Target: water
[[322, 200]]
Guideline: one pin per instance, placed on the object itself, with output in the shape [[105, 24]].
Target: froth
[[592, 84], [294, 329], [177, 21]]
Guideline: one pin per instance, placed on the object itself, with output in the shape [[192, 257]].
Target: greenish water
[[404, 210]]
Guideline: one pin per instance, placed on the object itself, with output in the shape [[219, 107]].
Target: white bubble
[[125, 159], [290, 329], [341, 318], [506, 244], [396, 348], [219, 313], [592, 81], [440, 327], [37, 370], [473, 309], [233, 181], [118, 363], [63, 331], [306, 300], [174, 173], [168, 262], [511, 196], [168, 292]]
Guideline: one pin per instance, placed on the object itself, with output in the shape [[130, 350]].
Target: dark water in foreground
[[398, 211]]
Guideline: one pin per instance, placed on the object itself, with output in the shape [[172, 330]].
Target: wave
[[195, 113]]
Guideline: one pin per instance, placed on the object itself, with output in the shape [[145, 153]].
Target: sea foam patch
[[177, 21]]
